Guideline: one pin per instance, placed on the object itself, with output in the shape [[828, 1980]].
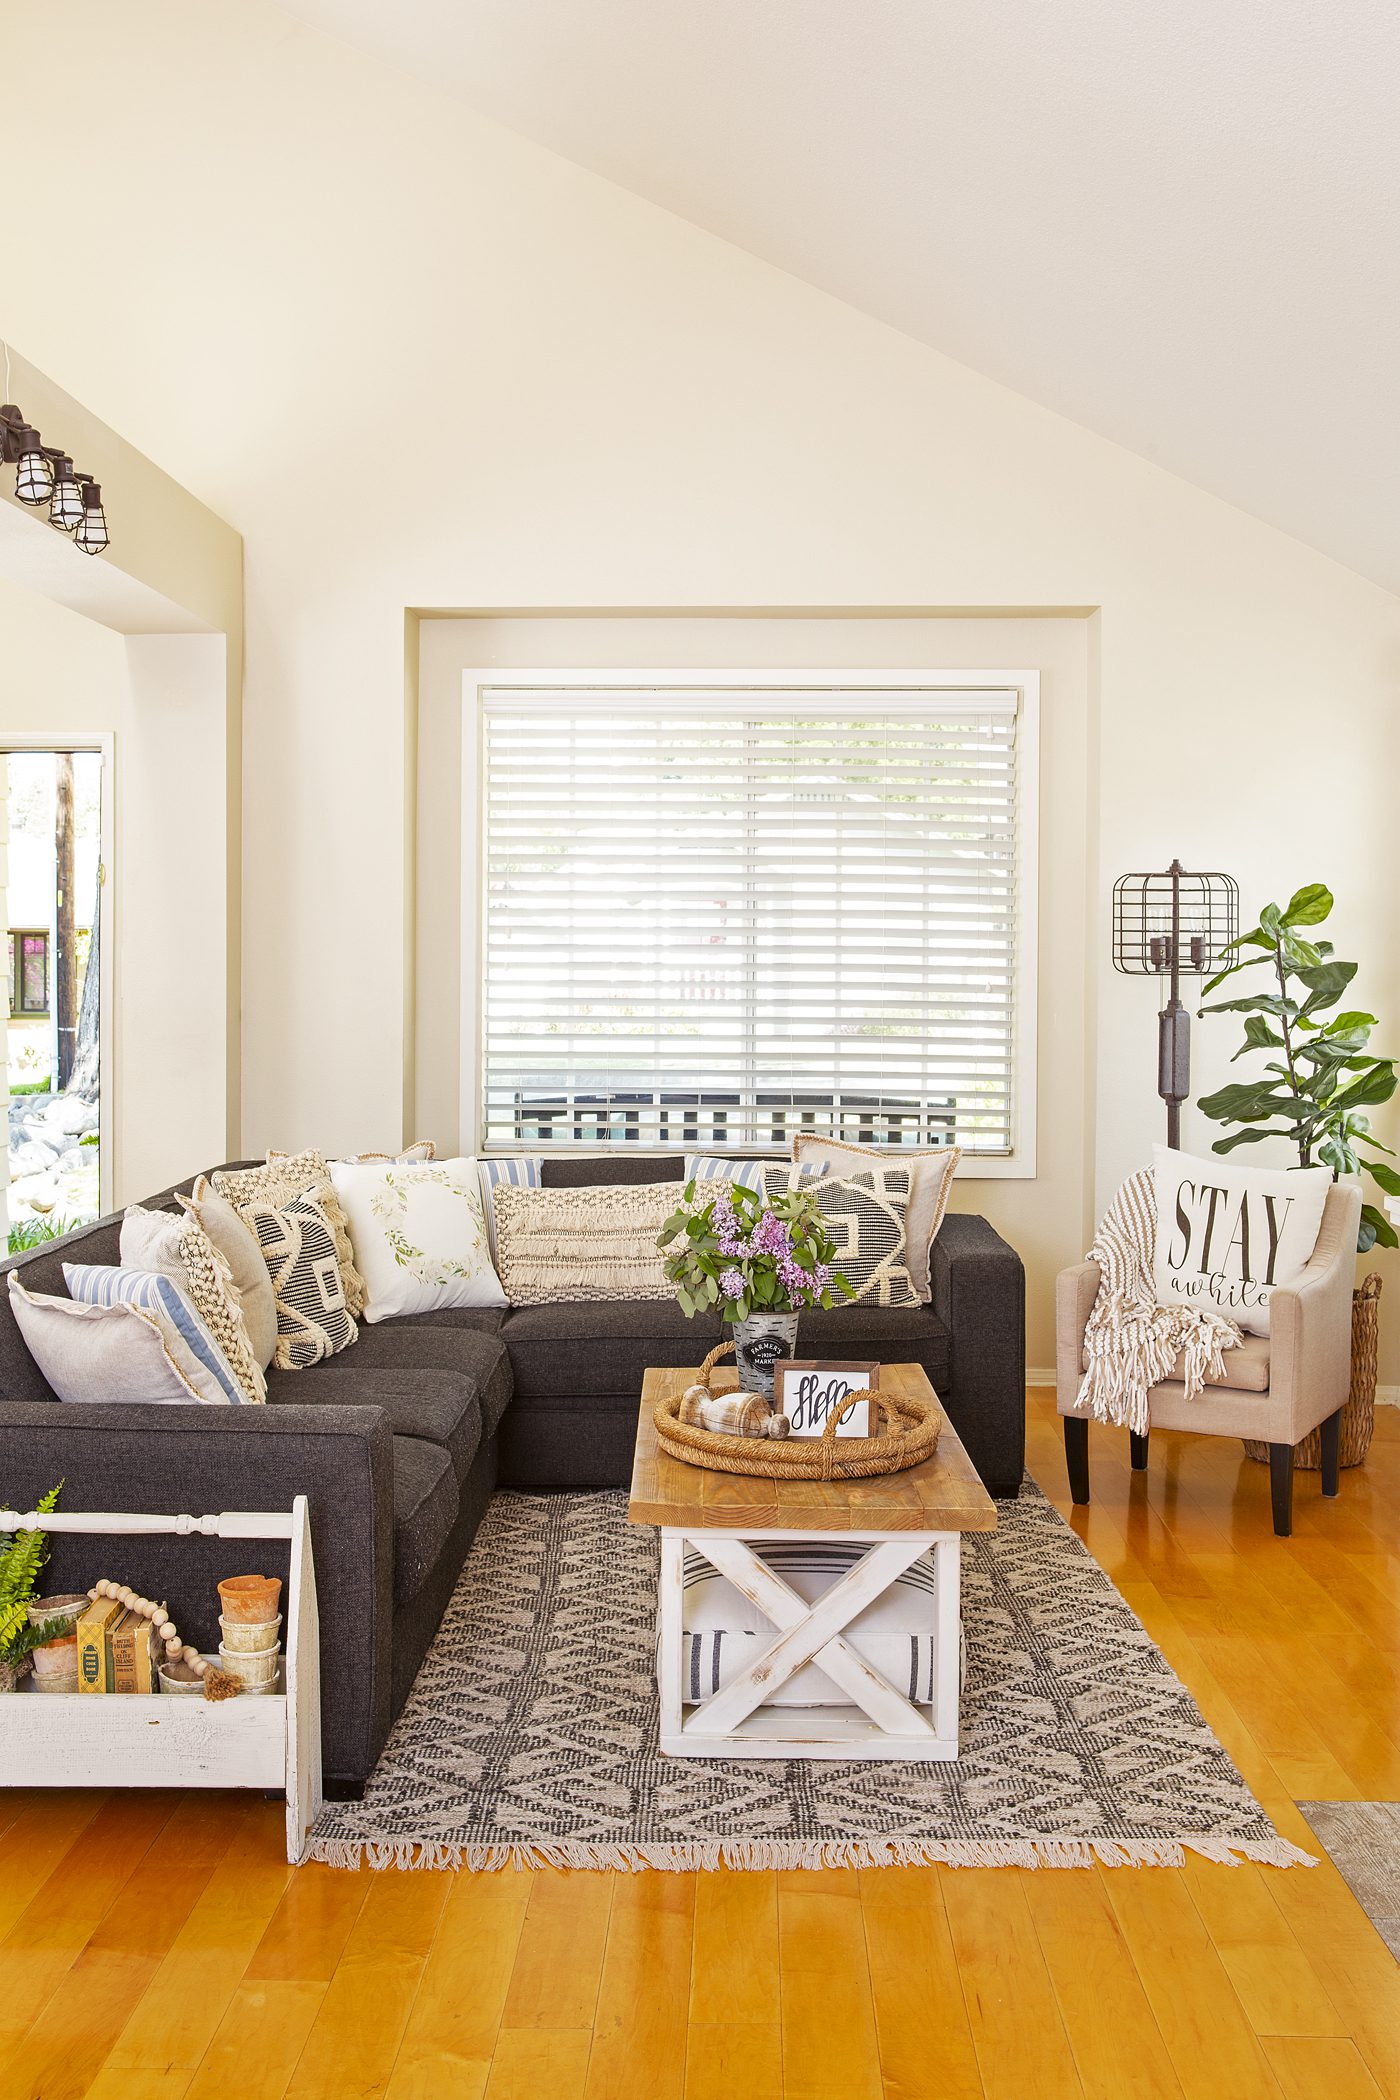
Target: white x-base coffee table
[[727, 1517]]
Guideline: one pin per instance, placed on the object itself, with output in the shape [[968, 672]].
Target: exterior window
[[723, 917], [29, 973]]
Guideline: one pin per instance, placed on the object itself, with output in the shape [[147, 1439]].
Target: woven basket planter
[[909, 1434], [1359, 1413]]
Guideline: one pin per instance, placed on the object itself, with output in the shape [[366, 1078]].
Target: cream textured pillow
[[173, 1244], [99, 1353], [1228, 1237], [930, 1183], [217, 1217], [298, 1246], [865, 1215], [557, 1245], [419, 1235], [290, 1174]]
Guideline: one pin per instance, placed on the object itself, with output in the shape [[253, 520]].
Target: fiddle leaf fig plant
[[1317, 1087]]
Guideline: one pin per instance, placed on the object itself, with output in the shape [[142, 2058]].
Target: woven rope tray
[[909, 1434]]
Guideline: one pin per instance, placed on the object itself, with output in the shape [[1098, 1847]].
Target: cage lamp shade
[[92, 535], [66, 506], [1174, 922], [34, 472]]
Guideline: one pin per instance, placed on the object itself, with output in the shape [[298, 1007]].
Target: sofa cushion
[[441, 1406], [425, 1510], [562, 1353], [399, 1349]]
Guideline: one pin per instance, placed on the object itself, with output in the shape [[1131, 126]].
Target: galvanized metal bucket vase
[[761, 1343]]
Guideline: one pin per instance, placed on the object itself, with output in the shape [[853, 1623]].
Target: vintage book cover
[[131, 1640], [94, 1626]]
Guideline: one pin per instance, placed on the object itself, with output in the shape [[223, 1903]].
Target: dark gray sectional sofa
[[399, 1441]]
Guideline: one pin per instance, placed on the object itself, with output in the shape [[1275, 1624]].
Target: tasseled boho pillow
[[558, 1245], [176, 1245], [287, 1175], [298, 1245]]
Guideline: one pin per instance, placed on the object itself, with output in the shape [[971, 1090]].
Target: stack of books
[[118, 1649]]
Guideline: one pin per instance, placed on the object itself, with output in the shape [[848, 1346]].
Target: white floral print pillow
[[418, 1233]]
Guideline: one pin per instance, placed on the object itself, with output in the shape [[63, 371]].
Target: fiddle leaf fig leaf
[[1325, 984], [1381, 1230], [1385, 1177], [1308, 906]]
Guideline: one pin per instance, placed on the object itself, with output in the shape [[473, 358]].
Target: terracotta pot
[[69, 1607], [58, 1658], [251, 1598]]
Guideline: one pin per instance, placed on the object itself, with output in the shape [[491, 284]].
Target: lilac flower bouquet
[[743, 1255]]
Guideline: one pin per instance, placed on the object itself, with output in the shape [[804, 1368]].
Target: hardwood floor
[[156, 1947]]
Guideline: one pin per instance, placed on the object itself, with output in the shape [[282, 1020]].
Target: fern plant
[[22, 1556]]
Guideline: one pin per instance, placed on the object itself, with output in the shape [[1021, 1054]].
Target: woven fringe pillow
[[865, 1215], [930, 1182], [175, 1245], [298, 1245], [290, 1174], [557, 1245], [216, 1216]]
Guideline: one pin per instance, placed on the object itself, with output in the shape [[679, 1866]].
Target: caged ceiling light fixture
[[45, 474]]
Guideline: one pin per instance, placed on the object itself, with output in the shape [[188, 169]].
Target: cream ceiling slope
[[1178, 224]]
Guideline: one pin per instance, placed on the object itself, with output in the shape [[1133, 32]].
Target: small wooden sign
[[806, 1391]]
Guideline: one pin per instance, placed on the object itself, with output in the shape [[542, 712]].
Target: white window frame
[[1019, 1164]]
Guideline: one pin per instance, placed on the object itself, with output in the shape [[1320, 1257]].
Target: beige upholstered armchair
[[1277, 1387]]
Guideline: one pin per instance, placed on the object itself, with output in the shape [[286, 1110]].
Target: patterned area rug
[[530, 1735]]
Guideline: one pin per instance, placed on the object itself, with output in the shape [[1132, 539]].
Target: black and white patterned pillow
[[298, 1245], [865, 1216]]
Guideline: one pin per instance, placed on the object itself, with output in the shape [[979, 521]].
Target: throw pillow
[[930, 1183], [519, 1171], [421, 1150], [177, 1246], [1228, 1237], [99, 1353], [298, 1245], [419, 1235], [865, 1215], [557, 1245], [191, 1346], [217, 1217], [710, 1166], [290, 1174]]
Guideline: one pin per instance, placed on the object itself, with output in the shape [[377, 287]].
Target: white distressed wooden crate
[[112, 1739]]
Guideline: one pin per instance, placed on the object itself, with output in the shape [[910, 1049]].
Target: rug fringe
[[757, 1855]]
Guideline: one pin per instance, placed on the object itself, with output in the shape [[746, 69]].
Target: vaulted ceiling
[[1175, 221]]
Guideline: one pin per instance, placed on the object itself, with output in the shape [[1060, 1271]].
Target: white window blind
[[719, 917]]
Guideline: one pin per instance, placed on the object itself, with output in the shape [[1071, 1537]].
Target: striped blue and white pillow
[[520, 1171], [190, 1342], [709, 1166]]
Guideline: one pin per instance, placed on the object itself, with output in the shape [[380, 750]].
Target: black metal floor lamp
[[1171, 926]]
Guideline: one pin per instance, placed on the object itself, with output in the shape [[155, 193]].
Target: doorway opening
[[52, 807]]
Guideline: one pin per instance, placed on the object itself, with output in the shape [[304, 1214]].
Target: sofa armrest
[[1310, 1322], [1075, 1291], [197, 1460], [979, 1293]]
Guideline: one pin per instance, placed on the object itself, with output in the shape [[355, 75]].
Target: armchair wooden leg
[[1281, 1488], [1137, 1445], [1330, 1436], [1077, 1456]]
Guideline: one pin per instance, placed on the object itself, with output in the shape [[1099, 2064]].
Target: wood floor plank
[[354, 2041], [1022, 2045], [311, 1925], [737, 2063], [1319, 2067], [830, 2041], [452, 2029], [1118, 2047], [924, 2035], [254, 2052], [533, 2061], [734, 1970], [1273, 1979], [554, 1982], [639, 2029]]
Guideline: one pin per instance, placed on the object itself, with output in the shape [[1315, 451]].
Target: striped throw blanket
[[1130, 1340]]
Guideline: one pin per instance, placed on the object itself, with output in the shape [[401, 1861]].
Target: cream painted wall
[[1035, 1214], [162, 700], [421, 363]]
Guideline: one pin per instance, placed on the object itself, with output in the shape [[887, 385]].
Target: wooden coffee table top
[[943, 1494]]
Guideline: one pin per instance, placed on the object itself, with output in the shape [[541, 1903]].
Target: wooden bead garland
[[218, 1684]]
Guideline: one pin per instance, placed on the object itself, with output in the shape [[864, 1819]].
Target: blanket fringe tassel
[[758, 1854]]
